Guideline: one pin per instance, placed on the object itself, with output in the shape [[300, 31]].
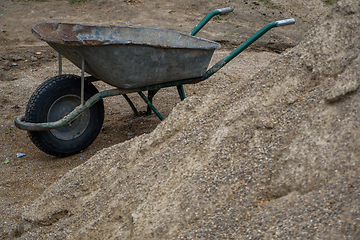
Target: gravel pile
[[275, 156]]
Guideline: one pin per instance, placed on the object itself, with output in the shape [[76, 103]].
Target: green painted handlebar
[[244, 45], [207, 18]]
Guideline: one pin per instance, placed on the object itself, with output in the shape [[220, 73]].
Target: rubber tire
[[41, 103]]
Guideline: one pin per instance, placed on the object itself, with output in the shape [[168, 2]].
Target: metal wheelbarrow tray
[[66, 112], [129, 57]]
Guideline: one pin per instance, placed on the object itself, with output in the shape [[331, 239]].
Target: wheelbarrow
[[65, 113]]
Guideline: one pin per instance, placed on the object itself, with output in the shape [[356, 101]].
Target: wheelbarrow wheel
[[54, 99]]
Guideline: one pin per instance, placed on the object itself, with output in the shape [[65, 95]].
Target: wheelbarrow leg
[[151, 94], [151, 105], [136, 113], [181, 92]]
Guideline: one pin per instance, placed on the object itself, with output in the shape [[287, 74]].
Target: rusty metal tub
[[129, 57]]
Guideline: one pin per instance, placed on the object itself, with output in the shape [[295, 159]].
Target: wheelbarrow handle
[[285, 22], [244, 45], [207, 18], [225, 10]]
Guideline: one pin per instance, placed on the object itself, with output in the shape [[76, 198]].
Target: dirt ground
[[25, 62]]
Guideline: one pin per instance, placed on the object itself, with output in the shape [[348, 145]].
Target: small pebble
[[19, 155]]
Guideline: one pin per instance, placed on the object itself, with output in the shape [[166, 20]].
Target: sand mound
[[269, 157]]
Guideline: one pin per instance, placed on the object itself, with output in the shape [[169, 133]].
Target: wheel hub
[[59, 109]]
